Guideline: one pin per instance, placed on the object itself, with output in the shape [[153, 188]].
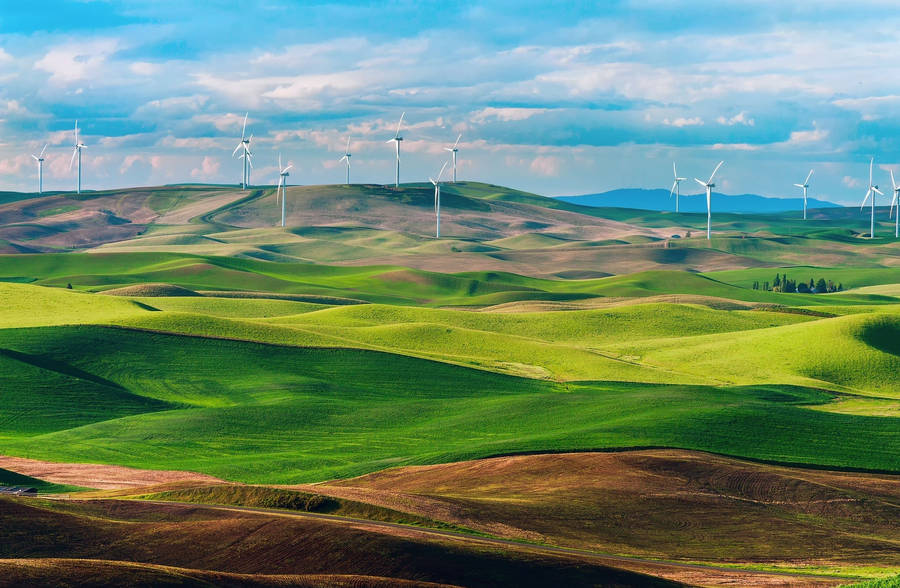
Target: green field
[[351, 342]]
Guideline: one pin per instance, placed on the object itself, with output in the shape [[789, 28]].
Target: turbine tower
[[437, 201], [396, 139], [709, 185], [245, 156], [282, 185], [40, 161], [873, 189], [676, 185], [346, 157], [805, 186], [77, 151], [894, 203], [453, 150]]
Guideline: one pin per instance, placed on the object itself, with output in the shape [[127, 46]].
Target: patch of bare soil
[[103, 477]]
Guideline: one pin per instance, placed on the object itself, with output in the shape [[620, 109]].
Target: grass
[[264, 414], [8, 478]]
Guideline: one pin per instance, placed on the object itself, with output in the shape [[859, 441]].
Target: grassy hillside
[[258, 413]]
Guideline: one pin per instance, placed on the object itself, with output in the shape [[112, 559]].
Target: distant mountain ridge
[[659, 199]]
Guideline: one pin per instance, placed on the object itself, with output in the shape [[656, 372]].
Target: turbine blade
[[457, 141], [714, 172], [443, 167], [244, 128], [672, 191], [866, 199], [71, 161], [342, 158], [400, 123], [701, 182], [432, 181], [674, 171], [871, 163], [347, 150], [42, 150], [799, 185], [233, 153], [893, 183], [877, 191], [290, 165], [35, 157], [806, 181]]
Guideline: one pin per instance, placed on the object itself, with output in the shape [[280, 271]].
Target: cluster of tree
[[783, 284]]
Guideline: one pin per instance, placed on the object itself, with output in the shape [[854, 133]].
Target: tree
[[802, 288], [69, 286], [812, 285], [821, 286], [840, 288], [777, 281], [766, 286]]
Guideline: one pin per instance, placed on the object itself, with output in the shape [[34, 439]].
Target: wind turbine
[[40, 160], [396, 139], [346, 156], [454, 150], [76, 150], [873, 189], [282, 185], [709, 185], [245, 155], [676, 186], [894, 203], [805, 186], [437, 201]]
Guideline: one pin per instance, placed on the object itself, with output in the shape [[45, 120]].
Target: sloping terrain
[[232, 542], [661, 503]]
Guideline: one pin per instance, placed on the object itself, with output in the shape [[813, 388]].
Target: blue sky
[[559, 99]]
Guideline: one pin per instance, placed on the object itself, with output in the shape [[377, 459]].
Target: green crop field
[[209, 341]]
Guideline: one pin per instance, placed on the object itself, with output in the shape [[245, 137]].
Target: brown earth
[[231, 541], [656, 503], [96, 475]]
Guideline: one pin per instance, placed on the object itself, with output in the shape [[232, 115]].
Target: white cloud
[[128, 162], [77, 61], [4, 56], [740, 118], [15, 164], [208, 169], [144, 68], [504, 114], [683, 122], [851, 182], [736, 147], [545, 165], [806, 137], [194, 142]]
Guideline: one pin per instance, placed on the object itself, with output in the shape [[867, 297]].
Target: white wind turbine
[[676, 185], [894, 202], [437, 201], [282, 185], [40, 161], [709, 185], [873, 189], [396, 139], [76, 150], [245, 156], [453, 150], [805, 186], [346, 157]]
